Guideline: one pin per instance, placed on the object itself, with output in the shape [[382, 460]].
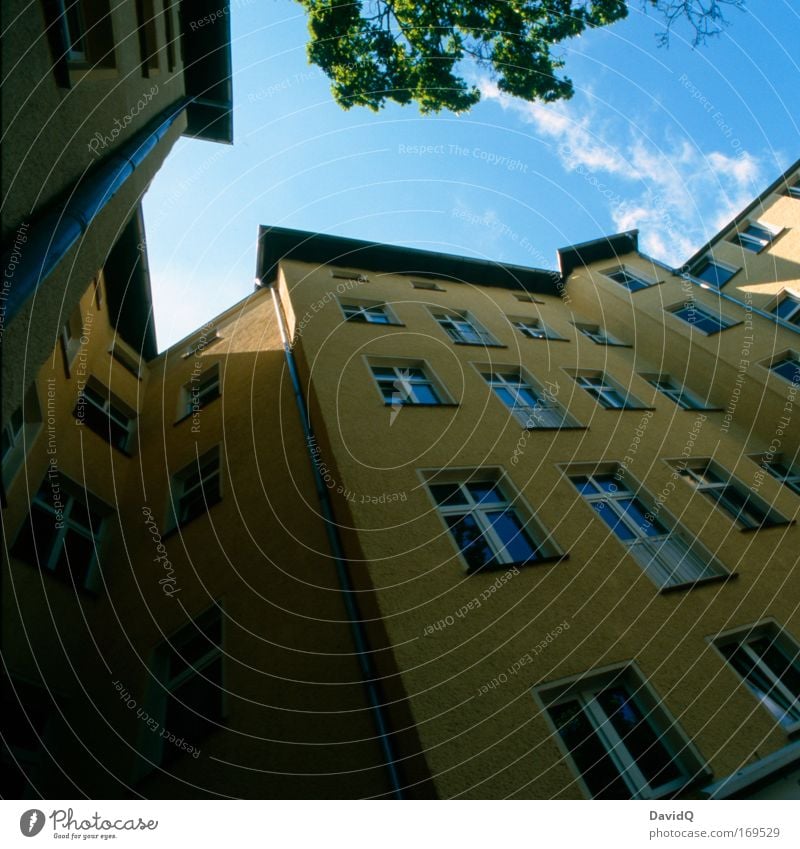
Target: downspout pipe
[[366, 666]]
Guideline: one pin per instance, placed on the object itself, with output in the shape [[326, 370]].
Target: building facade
[[408, 525]]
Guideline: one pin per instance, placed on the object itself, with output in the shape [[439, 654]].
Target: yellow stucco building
[[404, 524]]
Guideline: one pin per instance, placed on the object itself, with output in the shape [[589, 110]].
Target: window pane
[[635, 511], [613, 520], [598, 770], [41, 527], [486, 492], [75, 558], [781, 665], [447, 493], [194, 708], [608, 483], [584, 485], [714, 274], [473, 545], [639, 737], [515, 539], [424, 394], [194, 642], [762, 687]]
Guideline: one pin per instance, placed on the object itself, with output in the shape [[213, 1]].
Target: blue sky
[[672, 141]]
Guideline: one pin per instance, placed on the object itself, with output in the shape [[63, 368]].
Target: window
[[666, 385], [196, 487], [81, 33], [71, 333], [169, 30], [206, 339], [369, 313], [62, 532], [730, 495], [527, 299], [598, 335], [487, 530], [341, 274], [754, 237], [73, 29], [105, 415], [768, 660], [533, 328], [126, 357], [189, 667], [463, 329], [532, 406], [619, 737], [701, 318], [788, 367], [632, 282], [405, 384], [793, 189], [17, 436], [606, 392], [428, 285], [713, 273], [787, 307], [783, 472], [667, 556], [202, 389], [148, 39]]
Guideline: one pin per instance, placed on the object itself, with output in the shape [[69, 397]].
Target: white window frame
[[179, 492], [676, 392], [692, 306], [543, 546], [69, 37], [190, 398], [545, 414], [403, 382], [343, 274], [533, 328], [163, 685], [109, 406], [606, 390], [462, 328], [785, 643], [631, 277], [599, 335], [710, 259], [692, 472], [788, 355], [362, 312], [794, 316], [755, 244], [793, 189], [584, 690], [790, 478], [20, 431], [670, 559], [63, 522]]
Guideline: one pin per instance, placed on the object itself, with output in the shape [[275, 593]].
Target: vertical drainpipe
[[342, 570]]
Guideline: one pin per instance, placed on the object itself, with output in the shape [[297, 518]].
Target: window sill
[[784, 524], [374, 323], [630, 409], [533, 429], [520, 564], [480, 344], [545, 338], [701, 582], [411, 406]]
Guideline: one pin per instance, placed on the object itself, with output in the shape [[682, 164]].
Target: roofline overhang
[[605, 248], [276, 244]]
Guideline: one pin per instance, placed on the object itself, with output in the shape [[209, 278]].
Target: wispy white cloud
[[675, 193]]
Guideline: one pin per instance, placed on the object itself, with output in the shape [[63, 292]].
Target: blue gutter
[[368, 673], [51, 236]]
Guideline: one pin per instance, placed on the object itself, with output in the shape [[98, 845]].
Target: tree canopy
[[375, 51]]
